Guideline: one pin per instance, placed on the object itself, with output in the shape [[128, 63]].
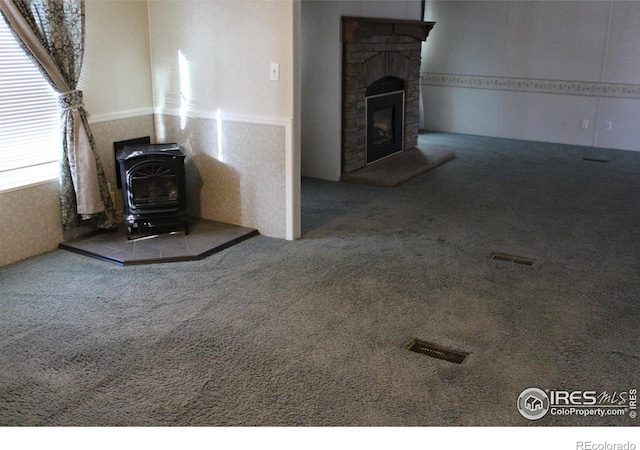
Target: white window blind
[[29, 118]]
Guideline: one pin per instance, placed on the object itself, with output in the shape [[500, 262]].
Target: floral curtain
[[52, 33]]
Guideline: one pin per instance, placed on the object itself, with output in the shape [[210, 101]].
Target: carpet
[[314, 332]]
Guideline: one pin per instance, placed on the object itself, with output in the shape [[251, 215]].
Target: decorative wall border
[[582, 88]]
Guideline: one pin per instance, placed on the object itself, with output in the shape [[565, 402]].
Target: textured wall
[[237, 176], [30, 223]]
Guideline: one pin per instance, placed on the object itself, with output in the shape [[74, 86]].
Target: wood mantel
[[356, 28]]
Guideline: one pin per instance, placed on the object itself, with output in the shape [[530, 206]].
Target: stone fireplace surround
[[374, 49]]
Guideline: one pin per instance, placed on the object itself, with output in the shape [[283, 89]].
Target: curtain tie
[[71, 100]]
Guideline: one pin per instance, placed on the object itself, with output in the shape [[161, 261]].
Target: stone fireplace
[[381, 88]]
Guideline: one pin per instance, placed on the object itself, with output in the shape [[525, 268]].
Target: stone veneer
[[374, 49]]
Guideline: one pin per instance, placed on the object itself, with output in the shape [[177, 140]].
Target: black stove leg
[[186, 226]]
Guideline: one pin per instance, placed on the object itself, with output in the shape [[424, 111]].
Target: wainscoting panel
[[30, 222], [236, 168]]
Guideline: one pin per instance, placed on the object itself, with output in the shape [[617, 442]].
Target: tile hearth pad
[[206, 237]]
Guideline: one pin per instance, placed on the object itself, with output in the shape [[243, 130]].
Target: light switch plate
[[274, 72]]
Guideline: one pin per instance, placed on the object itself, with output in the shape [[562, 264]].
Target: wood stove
[[153, 189]]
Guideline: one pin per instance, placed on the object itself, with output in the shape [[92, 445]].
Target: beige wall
[[226, 49], [116, 72]]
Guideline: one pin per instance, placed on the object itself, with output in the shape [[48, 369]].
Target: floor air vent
[[436, 351], [513, 259], [596, 160]]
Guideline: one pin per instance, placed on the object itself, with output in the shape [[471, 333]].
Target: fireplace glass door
[[382, 127], [385, 116]]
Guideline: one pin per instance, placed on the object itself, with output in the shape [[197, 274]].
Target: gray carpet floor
[[313, 332]]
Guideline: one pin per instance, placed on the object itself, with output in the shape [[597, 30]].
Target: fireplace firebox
[[385, 118], [153, 189]]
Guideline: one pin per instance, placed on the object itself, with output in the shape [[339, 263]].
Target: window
[[29, 119]]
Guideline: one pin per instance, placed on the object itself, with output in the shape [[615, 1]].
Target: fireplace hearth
[[153, 189]]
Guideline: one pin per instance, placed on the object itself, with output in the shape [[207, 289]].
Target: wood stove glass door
[[153, 186]]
